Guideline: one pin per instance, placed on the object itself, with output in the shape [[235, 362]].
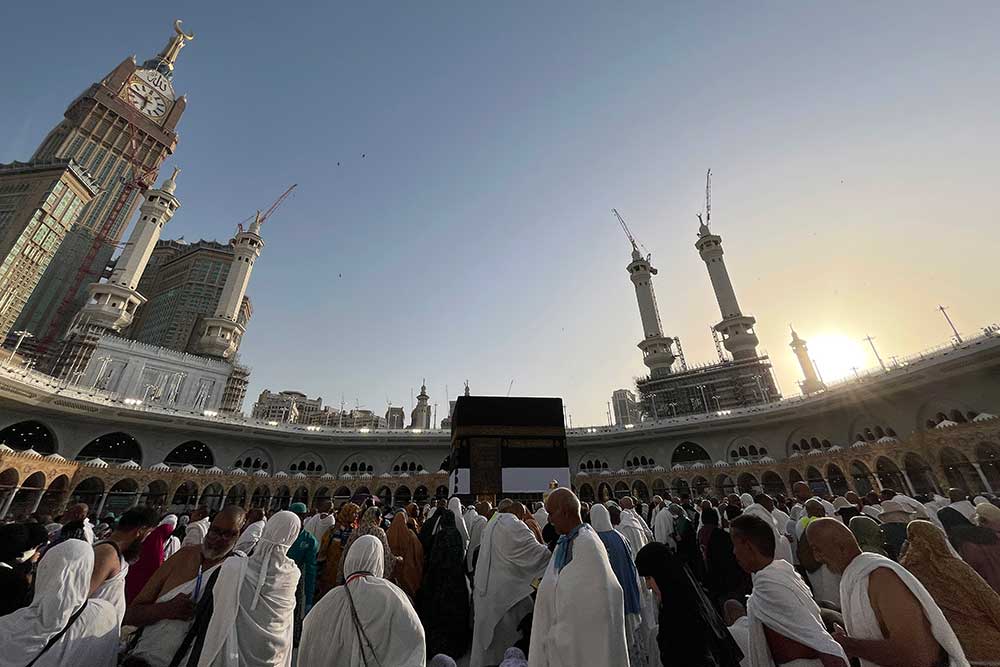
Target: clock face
[[157, 82], [146, 100]]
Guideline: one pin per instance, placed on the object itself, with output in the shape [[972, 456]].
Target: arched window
[[29, 435], [113, 448], [192, 452]]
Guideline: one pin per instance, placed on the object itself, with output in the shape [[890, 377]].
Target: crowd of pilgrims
[[749, 580]]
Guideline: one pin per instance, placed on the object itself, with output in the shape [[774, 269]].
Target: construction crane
[[628, 233], [708, 200], [139, 181], [267, 214]]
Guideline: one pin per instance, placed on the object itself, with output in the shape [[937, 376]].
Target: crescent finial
[[177, 29]]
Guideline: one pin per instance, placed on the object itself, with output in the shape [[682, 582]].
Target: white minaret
[[113, 304], [221, 334], [656, 348], [736, 328], [421, 415], [812, 382]]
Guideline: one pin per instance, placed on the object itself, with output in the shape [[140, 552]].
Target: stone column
[[100, 505], [829, 489], [982, 477], [878, 481], [906, 477], [9, 501], [38, 501]]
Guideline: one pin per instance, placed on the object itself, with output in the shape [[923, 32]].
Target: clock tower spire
[[165, 59]]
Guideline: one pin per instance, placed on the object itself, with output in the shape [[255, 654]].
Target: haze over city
[[457, 167]]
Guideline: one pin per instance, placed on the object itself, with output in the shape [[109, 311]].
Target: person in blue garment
[[303, 551]]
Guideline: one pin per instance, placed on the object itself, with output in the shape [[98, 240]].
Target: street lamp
[[718, 406], [21, 335], [704, 399]]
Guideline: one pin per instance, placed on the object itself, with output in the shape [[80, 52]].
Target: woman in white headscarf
[[455, 505], [253, 603], [85, 631], [364, 623]]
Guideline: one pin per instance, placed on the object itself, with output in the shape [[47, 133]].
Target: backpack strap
[[56, 637]]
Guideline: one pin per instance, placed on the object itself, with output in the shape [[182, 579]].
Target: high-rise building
[[625, 407], [39, 204], [395, 417], [182, 283], [131, 113], [292, 407], [420, 417]]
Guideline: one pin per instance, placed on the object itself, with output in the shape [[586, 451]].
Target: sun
[[836, 355]]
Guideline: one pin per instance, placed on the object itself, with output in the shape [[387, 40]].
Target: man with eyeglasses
[[166, 608]]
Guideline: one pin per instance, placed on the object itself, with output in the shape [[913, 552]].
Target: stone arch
[[937, 408], [342, 494], [122, 495], [920, 475], [640, 490], [384, 494], [604, 492], [301, 495], [701, 486], [185, 495], [747, 483], [237, 495], [816, 482], [9, 478], [213, 497], [192, 452], [420, 494], [255, 458], [638, 457], [261, 497], [689, 452], [357, 463], [441, 492], [659, 488], [29, 434], [402, 496], [32, 489], [54, 495], [838, 481], [586, 493], [793, 477], [988, 456], [621, 490], [681, 487], [406, 462], [593, 461], [772, 483], [724, 484], [959, 470], [862, 477], [309, 463], [88, 491], [890, 475], [322, 495], [116, 447], [282, 497]]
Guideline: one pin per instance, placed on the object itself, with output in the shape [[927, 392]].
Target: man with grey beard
[[165, 608]]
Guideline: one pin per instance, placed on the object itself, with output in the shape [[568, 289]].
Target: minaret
[[736, 328], [221, 334], [812, 383], [421, 415], [656, 348], [113, 304]]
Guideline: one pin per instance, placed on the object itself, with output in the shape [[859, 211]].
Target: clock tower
[[131, 113]]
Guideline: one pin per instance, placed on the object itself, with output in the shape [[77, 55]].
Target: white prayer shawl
[[455, 505], [635, 531], [746, 500], [782, 548], [663, 528], [828, 506], [318, 525], [783, 602], [113, 589], [329, 636], [249, 537], [475, 524], [88, 530], [871, 511], [780, 519], [740, 631], [196, 532], [859, 617], [510, 558], [61, 586], [159, 641], [580, 611], [171, 546], [915, 505], [963, 507], [254, 603], [541, 516]]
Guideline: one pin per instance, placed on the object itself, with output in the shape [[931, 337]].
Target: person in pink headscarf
[[150, 557]]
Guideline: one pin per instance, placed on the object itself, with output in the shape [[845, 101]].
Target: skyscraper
[[129, 115], [625, 407]]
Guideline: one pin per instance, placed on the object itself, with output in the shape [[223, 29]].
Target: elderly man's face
[[222, 535]]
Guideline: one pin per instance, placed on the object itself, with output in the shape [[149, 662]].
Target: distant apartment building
[[291, 407], [395, 417], [625, 407], [356, 418]]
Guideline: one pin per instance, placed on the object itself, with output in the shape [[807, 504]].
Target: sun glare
[[836, 355]]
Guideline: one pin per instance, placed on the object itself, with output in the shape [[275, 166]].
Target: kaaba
[[503, 446]]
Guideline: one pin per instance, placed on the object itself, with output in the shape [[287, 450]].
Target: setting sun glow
[[836, 355]]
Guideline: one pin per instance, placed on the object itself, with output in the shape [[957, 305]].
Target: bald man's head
[[814, 508], [833, 543], [627, 503], [564, 510], [223, 532], [802, 491], [518, 510]]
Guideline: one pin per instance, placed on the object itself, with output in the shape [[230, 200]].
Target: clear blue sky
[[854, 147]]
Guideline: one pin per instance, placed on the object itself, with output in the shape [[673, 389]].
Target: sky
[[466, 232]]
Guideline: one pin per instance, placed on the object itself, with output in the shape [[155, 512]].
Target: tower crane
[[628, 233], [708, 199], [267, 214]]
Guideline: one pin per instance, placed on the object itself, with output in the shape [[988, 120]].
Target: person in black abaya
[[691, 633], [724, 577], [443, 599]]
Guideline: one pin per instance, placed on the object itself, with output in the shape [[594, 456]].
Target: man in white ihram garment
[[510, 558], [579, 614], [783, 621], [254, 603], [197, 528], [540, 515], [62, 584], [254, 527], [663, 528], [321, 521], [782, 548], [475, 523], [364, 623], [891, 619]]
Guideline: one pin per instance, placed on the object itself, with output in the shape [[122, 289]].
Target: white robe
[[635, 531], [196, 532], [171, 546], [254, 603], [859, 617], [248, 538], [385, 614], [825, 582], [541, 516], [740, 631], [113, 589], [318, 525], [455, 505], [783, 602], [159, 641], [663, 528], [963, 507], [61, 586], [580, 611], [476, 524], [510, 558], [88, 531], [782, 548]]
